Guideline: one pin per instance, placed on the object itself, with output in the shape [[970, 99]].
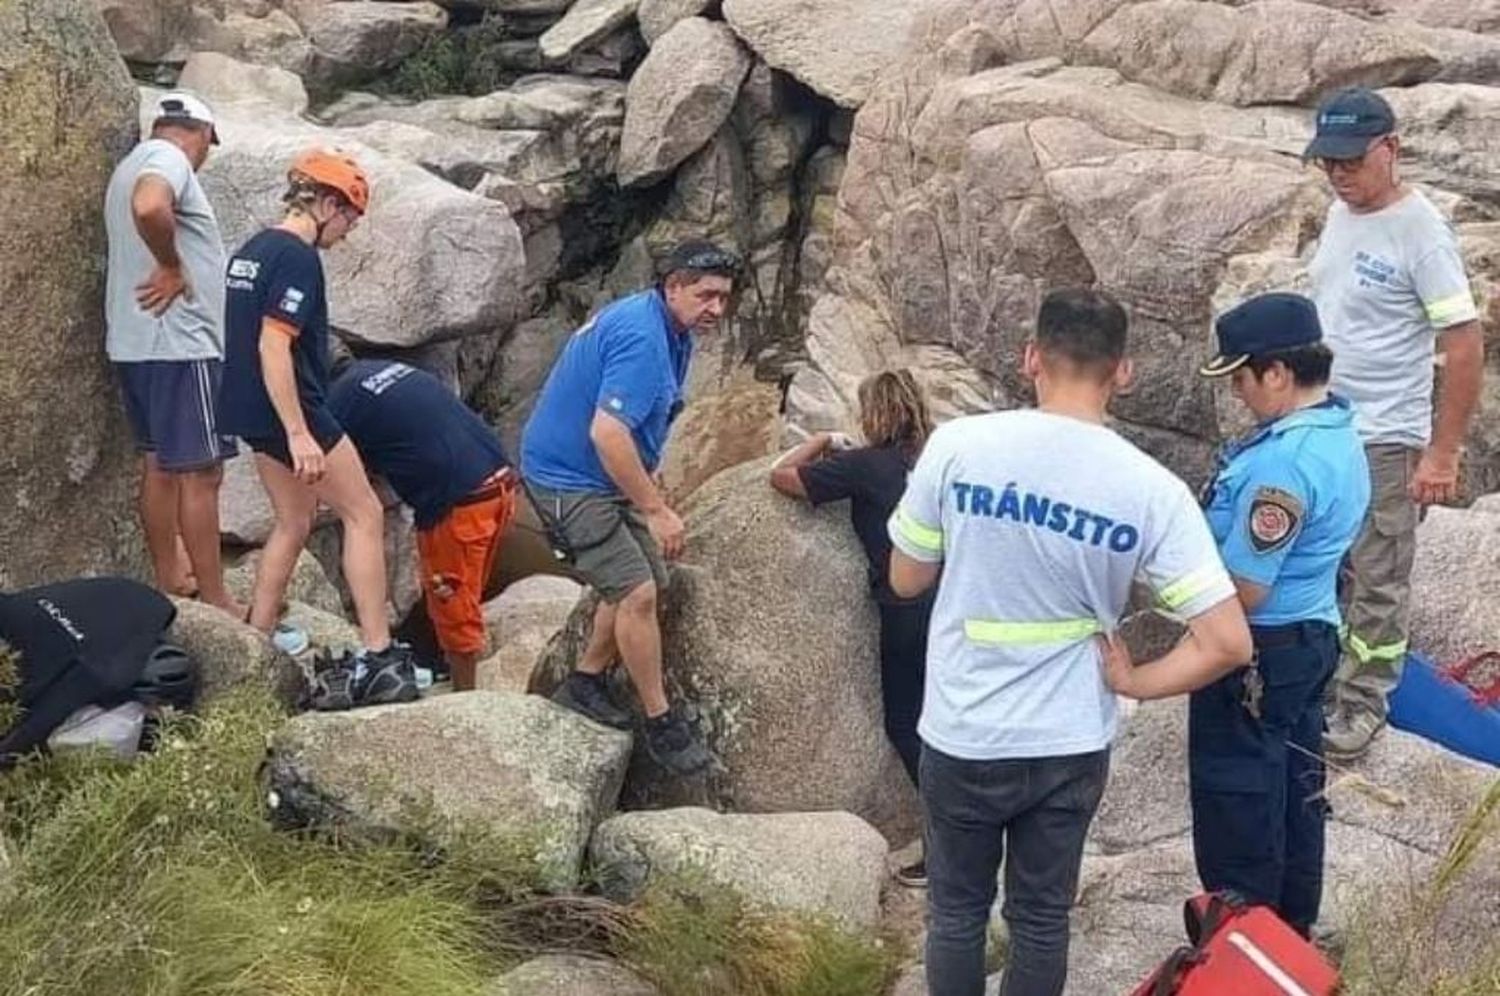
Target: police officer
[[1285, 506]]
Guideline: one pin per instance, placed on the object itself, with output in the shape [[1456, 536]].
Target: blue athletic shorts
[[172, 406], [320, 422]]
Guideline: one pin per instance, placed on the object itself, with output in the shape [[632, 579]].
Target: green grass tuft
[[464, 61]]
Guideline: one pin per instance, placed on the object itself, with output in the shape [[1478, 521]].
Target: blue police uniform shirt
[[628, 361], [414, 432], [1286, 505], [274, 275]]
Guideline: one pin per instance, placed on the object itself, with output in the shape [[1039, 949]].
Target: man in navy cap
[[1286, 504], [1394, 302]]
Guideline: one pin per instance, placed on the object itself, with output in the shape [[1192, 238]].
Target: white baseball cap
[[179, 105]]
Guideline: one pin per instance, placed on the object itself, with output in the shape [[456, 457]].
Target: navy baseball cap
[[1268, 323], [1348, 122]]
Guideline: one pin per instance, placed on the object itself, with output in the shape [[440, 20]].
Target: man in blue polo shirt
[[1285, 507], [589, 454]]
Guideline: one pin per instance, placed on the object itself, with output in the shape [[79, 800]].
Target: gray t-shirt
[[191, 329], [1385, 284], [1041, 523]]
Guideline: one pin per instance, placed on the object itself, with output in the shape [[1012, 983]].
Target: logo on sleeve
[[291, 301], [1275, 517], [616, 404]]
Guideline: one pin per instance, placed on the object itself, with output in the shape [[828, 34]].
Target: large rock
[[679, 96], [222, 80], [232, 654], [358, 40], [66, 466], [149, 31], [786, 685], [1455, 605], [586, 23], [430, 261], [510, 767], [656, 17], [569, 975], [836, 47], [826, 864], [521, 622], [1268, 51]]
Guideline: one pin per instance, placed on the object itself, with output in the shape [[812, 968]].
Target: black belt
[[497, 483], [1290, 634]]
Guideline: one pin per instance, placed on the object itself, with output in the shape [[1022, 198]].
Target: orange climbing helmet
[[335, 170]]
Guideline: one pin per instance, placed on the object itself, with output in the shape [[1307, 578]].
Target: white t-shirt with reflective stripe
[[1385, 284], [1041, 523]]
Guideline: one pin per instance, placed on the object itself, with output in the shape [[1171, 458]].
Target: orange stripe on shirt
[[273, 324]]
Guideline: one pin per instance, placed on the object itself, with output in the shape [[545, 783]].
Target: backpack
[[93, 641], [1240, 950]]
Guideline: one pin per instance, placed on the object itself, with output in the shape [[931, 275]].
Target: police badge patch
[[1275, 517]]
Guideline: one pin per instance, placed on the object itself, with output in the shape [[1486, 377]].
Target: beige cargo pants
[[1377, 595]]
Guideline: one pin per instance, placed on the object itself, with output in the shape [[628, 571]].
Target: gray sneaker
[[1350, 732], [672, 744], [588, 695]]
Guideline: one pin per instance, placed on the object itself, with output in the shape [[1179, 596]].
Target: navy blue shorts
[[324, 427], [172, 406]]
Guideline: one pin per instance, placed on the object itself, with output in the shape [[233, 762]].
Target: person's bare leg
[[198, 520], [639, 637], [463, 668], [602, 650], [294, 504], [346, 490], [185, 563], [158, 509]]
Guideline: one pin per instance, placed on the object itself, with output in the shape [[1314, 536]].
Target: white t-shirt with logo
[[1385, 284], [1041, 523]]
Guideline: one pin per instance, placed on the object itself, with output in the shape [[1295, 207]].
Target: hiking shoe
[[672, 744], [1350, 733], [588, 695], [385, 676], [331, 688], [914, 875], [289, 639]]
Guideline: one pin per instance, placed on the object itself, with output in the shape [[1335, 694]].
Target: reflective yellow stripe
[[1366, 654], [1020, 634], [1451, 310], [917, 534], [1188, 587]]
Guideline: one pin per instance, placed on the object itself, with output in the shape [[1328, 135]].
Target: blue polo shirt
[[1286, 505], [417, 434], [628, 361]]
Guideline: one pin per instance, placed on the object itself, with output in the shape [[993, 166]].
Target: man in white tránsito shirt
[[1391, 292], [1039, 521]]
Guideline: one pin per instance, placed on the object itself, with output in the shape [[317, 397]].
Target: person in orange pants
[[446, 463]]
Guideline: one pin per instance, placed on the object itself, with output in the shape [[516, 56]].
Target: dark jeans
[[1040, 809], [1259, 817], [903, 674]]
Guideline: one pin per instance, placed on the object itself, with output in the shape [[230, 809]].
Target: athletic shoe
[[385, 676], [588, 695], [672, 744], [914, 875], [289, 639], [331, 688]]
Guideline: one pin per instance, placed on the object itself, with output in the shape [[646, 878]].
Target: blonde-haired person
[[895, 422], [275, 397]]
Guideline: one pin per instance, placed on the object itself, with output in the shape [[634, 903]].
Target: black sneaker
[[587, 695], [914, 875], [331, 688], [390, 675], [672, 744]]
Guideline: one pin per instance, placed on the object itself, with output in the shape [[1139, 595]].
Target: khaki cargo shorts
[[606, 539]]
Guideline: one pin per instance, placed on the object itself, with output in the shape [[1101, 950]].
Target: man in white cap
[[164, 309]]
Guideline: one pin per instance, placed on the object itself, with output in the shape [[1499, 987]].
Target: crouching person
[[588, 454], [442, 460]]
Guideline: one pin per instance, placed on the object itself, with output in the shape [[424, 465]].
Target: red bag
[[1240, 950]]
